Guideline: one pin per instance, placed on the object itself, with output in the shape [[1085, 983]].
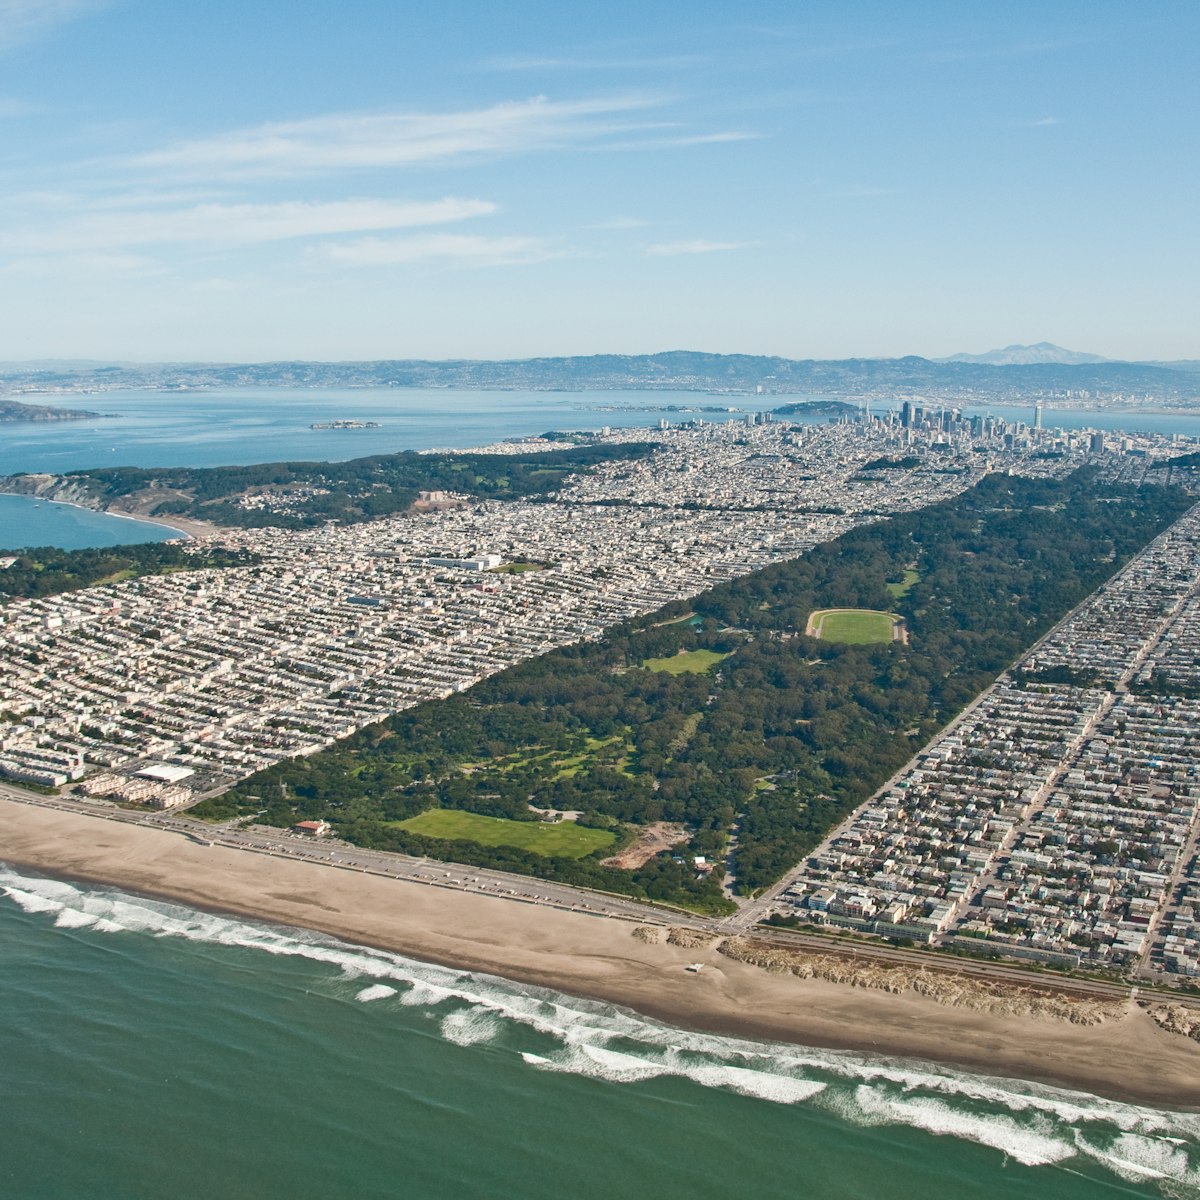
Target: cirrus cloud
[[460, 249], [24, 20], [345, 141], [694, 246], [234, 224]]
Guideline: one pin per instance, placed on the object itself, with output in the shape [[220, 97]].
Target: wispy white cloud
[[1041, 122], [616, 223], [466, 250], [970, 49], [86, 266], [11, 106], [587, 62], [667, 141], [232, 224], [695, 246], [24, 20], [344, 141]]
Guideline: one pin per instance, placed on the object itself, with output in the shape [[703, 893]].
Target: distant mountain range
[[1024, 356], [1015, 374]]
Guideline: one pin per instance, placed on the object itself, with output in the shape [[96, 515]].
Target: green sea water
[[153, 1051]]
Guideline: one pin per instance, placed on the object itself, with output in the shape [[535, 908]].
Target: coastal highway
[[523, 889], [332, 853]]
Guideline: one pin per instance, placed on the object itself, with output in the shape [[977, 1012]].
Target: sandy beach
[[188, 526], [1129, 1059]]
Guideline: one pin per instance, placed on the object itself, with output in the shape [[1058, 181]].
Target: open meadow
[[562, 840], [686, 662]]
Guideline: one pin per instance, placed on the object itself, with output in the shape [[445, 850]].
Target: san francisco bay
[[228, 427]]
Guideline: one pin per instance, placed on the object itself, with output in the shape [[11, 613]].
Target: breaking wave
[[1029, 1123]]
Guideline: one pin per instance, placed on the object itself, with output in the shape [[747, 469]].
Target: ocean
[[149, 1050], [28, 522]]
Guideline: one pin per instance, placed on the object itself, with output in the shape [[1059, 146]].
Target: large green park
[[788, 736]]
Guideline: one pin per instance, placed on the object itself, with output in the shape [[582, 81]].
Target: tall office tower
[[1037, 416], [906, 414]]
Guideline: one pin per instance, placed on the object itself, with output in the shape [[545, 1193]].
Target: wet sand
[[1130, 1059]]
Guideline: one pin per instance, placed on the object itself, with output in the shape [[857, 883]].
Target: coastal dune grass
[[564, 840]]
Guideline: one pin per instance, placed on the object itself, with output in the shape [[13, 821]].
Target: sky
[[251, 180]]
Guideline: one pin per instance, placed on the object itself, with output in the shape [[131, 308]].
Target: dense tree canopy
[[47, 570], [781, 739], [346, 492]]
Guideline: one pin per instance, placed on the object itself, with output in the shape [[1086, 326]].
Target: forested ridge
[[49, 571], [778, 741], [345, 492]]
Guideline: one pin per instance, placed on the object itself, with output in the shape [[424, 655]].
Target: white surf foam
[[377, 991], [70, 918], [470, 1026], [1136, 1158], [1035, 1143]]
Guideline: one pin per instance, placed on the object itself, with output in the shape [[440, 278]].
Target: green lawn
[[564, 840], [518, 568], [690, 662], [855, 626], [905, 585]]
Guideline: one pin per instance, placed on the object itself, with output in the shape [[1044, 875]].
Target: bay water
[[223, 427]]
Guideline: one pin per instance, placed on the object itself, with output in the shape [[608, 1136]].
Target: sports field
[[854, 626], [564, 840], [689, 662]]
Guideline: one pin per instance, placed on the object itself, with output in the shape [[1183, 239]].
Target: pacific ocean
[[151, 1050]]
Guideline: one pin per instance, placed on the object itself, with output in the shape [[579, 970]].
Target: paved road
[[331, 852]]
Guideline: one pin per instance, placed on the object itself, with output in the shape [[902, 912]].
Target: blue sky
[[257, 179]]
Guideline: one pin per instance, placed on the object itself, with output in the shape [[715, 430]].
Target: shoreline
[[188, 528], [1129, 1059], [161, 522]]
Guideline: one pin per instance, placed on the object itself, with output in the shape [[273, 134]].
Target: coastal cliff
[[67, 489]]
